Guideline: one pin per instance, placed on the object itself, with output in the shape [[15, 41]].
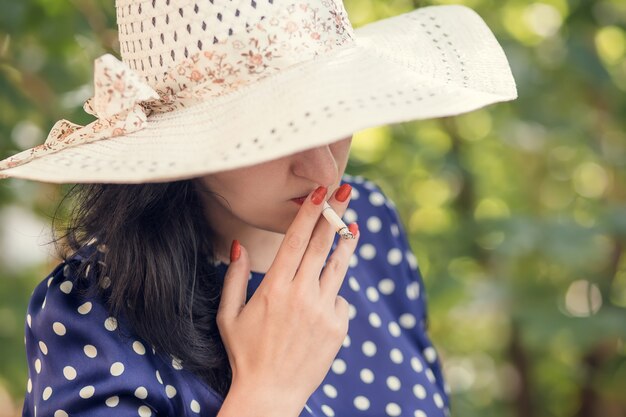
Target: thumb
[[233, 297]]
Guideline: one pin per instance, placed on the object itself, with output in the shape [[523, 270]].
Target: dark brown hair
[[155, 249]]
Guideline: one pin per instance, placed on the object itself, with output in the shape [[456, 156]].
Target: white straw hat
[[207, 86]]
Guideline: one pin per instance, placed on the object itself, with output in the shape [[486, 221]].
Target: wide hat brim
[[432, 62]]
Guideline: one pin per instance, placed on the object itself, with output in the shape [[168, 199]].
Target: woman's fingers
[[323, 237], [337, 265], [296, 240], [233, 298]]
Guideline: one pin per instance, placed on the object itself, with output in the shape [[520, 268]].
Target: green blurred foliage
[[517, 212]]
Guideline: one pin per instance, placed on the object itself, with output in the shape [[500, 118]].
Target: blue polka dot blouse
[[84, 362]]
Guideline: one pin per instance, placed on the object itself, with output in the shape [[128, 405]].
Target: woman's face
[[260, 196]]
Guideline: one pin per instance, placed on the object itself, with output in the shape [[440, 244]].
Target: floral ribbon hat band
[[205, 87]]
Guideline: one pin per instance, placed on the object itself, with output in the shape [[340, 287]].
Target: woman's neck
[[261, 246]]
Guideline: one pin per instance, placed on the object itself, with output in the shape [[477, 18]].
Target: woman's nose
[[317, 165]]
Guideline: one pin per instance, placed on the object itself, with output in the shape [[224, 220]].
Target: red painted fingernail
[[318, 195], [353, 228], [235, 250], [343, 193]]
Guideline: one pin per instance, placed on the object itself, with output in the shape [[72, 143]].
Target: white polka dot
[[105, 283], [413, 291], [369, 348], [377, 199], [430, 375], [346, 341], [141, 393], [69, 373], [66, 287], [112, 401], [29, 320], [170, 391], [195, 406], [139, 348], [416, 364], [419, 391], [328, 411], [43, 347], [393, 409], [87, 392], [177, 364], [354, 284], [59, 328], [117, 369], [38, 365], [60, 413], [158, 377], [354, 194], [430, 354], [330, 391], [144, 411], [361, 403], [354, 260], [50, 281], [407, 320], [47, 392], [411, 259], [374, 224], [339, 366], [419, 413], [110, 324], [393, 383], [66, 271], [29, 386], [374, 320], [85, 308], [395, 230], [438, 400], [396, 356], [367, 251], [386, 286], [372, 294], [394, 256], [367, 376], [90, 351], [394, 329], [351, 311], [350, 216]]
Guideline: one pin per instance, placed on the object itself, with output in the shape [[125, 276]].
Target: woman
[[199, 277]]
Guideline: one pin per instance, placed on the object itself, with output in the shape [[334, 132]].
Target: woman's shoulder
[[366, 188], [82, 357], [67, 310], [384, 245], [373, 210]]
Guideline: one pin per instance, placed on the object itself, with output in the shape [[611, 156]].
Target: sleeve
[[412, 304], [403, 255], [385, 237], [79, 364]]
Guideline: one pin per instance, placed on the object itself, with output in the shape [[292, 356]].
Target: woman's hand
[[282, 343]]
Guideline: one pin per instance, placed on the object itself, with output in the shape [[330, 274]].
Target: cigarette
[[334, 219]]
